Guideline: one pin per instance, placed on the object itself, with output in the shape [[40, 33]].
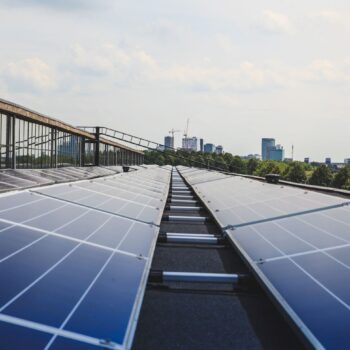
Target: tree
[[322, 176], [237, 165], [252, 165], [342, 178], [295, 173], [269, 167]]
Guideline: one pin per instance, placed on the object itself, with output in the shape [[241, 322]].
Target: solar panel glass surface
[[298, 244], [75, 274]]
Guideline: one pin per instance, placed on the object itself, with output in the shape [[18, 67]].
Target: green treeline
[[314, 174]]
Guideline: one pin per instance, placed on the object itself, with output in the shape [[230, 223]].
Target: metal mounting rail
[[170, 276]]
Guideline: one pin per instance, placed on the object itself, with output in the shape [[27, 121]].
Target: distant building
[[201, 145], [169, 142], [190, 143], [276, 153], [307, 160], [328, 161], [219, 149], [347, 161], [209, 148], [252, 156], [266, 145]]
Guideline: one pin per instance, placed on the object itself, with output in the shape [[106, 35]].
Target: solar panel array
[[74, 260], [16, 179], [297, 243]]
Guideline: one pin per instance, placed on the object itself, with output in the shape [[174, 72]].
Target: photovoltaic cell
[[240, 201], [306, 261], [74, 273], [298, 243]]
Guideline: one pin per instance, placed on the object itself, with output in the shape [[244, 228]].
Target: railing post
[[8, 142], [13, 165], [83, 151], [97, 148], [53, 155]]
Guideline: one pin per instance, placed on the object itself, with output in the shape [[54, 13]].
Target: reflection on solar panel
[[11, 179], [76, 262], [198, 176], [240, 201], [298, 244]]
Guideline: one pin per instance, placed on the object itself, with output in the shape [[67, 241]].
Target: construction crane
[[173, 131], [186, 130]]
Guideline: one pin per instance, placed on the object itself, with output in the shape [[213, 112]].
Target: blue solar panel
[[75, 274], [298, 244], [134, 205], [240, 201], [304, 262]]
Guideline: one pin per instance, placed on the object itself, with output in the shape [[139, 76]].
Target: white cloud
[[275, 22], [225, 43], [27, 75], [131, 67], [62, 5], [332, 17], [323, 70]]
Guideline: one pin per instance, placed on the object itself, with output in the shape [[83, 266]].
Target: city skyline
[[239, 71]]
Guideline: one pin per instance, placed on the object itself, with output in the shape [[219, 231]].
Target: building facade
[[169, 142], [190, 143], [209, 148], [276, 153], [266, 145], [201, 145], [219, 149]]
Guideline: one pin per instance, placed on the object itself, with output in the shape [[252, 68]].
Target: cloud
[[225, 43], [111, 64], [31, 74], [132, 67], [62, 5], [331, 17], [275, 22], [323, 70]]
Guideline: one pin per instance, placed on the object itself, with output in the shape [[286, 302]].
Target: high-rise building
[[307, 160], [190, 143], [169, 142], [219, 149], [276, 153], [328, 161], [266, 145], [201, 145], [209, 148], [347, 161]]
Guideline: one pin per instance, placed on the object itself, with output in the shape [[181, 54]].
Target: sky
[[240, 70]]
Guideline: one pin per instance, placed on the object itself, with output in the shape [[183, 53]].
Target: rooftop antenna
[[292, 152]]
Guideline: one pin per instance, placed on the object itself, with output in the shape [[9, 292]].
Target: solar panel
[[304, 262], [239, 201], [27, 175], [200, 176], [90, 195], [297, 243], [75, 275]]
